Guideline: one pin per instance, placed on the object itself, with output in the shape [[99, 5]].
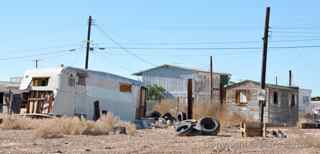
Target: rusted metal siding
[[281, 113], [249, 111]]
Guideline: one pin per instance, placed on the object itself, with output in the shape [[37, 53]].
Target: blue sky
[[38, 29]]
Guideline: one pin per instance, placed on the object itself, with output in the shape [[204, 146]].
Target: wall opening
[[96, 107], [241, 97], [275, 98], [293, 100]]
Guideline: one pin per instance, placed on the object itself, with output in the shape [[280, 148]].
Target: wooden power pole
[[211, 81], [190, 99], [290, 78], [262, 102], [88, 42]]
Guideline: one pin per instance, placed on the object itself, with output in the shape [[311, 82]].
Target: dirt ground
[[162, 141]]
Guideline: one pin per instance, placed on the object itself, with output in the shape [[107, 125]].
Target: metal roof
[[179, 67], [258, 83]]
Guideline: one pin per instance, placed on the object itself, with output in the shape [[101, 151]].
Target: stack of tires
[[204, 126]]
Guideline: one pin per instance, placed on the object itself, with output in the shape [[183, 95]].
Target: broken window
[[241, 97], [124, 87], [275, 98], [40, 81], [81, 78]]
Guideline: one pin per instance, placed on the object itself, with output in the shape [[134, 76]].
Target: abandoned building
[[9, 95], [282, 102], [174, 80], [69, 91]]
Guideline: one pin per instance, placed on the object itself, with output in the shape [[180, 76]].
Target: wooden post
[[264, 62], [211, 81], [190, 100]]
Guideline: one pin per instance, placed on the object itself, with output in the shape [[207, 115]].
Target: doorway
[[1, 102], [96, 107]]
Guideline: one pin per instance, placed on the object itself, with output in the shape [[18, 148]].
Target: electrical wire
[[37, 55], [121, 47], [214, 48]]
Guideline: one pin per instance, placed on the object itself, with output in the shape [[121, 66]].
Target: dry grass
[[166, 106], [58, 127], [299, 138], [17, 122]]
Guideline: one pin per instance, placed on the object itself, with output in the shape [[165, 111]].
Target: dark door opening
[[96, 114], [1, 102]]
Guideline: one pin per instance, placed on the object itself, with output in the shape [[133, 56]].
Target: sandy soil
[[160, 141]]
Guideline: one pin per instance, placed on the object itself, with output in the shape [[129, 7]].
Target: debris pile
[[204, 126], [276, 133]]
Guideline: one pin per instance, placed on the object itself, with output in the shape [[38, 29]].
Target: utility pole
[[262, 102], [36, 61], [290, 78], [211, 81], [88, 42], [190, 98]]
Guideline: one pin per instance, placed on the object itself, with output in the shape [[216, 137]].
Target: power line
[[209, 42], [36, 55], [121, 47], [43, 48], [214, 48]]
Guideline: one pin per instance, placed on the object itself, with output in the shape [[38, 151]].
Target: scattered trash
[[119, 130], [155, 114], [252, 129], [144, 123], [168, 116], [204, 126], [276, 133], [161, 123]]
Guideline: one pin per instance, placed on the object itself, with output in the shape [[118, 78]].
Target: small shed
[[282, 102]]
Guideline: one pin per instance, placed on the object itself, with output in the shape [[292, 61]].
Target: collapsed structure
[[69, 91]]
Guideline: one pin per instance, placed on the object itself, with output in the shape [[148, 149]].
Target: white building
[[68, 91]]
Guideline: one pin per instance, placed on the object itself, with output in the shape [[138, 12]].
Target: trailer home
[[68, 91]]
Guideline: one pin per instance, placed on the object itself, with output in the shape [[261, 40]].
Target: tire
[[181, 116], [208, 126], [169, 117], [185, 129]]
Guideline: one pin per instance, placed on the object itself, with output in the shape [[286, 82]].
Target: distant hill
[[316, 98]]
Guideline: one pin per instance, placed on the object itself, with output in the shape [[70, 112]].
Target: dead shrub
[[103, 126], [59, 127], [17, 122], [50, 128]]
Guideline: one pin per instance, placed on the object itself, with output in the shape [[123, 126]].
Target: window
[[306, 99], [124, 87], [241, 97], [71, 81], [81, 78], [275, 98], [40, 81]]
